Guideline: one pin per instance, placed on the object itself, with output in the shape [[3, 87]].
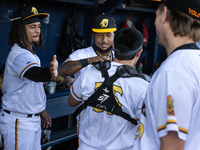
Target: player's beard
[[36, 43], [101, 51]]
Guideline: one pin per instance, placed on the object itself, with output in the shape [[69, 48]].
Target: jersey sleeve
[[23, 62], [139, 107], [76, 90], [172, 101], [140, 100], [84, 85], [77, 55]]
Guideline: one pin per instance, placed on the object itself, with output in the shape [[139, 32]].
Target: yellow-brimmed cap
[[104, 23], [26, 12]]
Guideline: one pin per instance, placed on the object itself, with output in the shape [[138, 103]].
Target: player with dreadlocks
[[18, 35], [24, 99]]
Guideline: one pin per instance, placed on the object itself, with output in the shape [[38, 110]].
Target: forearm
[[73, 102], [171, 142], [71, 67]]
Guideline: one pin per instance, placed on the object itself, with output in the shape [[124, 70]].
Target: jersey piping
[[26, 67], [75, 93], [16, 134]]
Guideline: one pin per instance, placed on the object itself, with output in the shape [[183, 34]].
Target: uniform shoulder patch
[[170, 106]]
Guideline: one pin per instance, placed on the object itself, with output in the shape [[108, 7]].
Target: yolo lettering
[[194, 13]]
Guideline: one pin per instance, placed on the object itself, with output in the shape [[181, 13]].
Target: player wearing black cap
[[111, 129], [24, 99], [170, 114], [103, 33]]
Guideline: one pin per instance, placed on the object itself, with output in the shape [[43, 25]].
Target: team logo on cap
[[104, 23], [194, 13], [34, 10]]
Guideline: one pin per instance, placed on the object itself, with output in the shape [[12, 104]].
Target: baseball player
[[170, 114], [103, 130], [103, 33], [24, 99]]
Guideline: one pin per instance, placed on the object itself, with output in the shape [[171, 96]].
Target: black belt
[[28, 115]]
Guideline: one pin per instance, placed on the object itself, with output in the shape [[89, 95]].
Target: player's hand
[[53, 67], [45, 119], [97, 58]]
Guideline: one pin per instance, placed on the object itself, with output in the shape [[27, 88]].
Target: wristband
[[83, 62]]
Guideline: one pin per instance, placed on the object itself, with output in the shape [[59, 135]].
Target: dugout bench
[[57, 106]]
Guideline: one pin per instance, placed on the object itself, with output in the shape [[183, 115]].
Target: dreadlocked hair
[[41, 40], [18, 35]]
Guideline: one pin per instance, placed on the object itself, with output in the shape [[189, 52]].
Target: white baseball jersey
[[21, 97], [98, 129], [19, 93], [172, 102], [198, 44], [82, 54]]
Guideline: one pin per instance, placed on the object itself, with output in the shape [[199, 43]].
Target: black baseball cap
[[28, 13], [188, 7], [104, 23]]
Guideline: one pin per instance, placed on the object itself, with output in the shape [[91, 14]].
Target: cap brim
[[40, 15], [104, 30]]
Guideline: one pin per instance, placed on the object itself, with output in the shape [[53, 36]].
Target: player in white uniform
[[24, 99], [98, 129], [170, 114], [103, 34]]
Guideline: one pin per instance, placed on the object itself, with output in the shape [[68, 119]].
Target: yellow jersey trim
[[172, 122], [75, 93], [16, 134], [25, 68]]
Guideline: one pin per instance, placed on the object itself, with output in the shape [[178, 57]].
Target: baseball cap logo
[[104, 23], [34, 10], [194, 13]]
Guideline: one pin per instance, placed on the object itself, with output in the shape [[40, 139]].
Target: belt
[[21, 114]]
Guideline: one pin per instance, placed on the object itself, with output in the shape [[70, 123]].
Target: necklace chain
[[109, 55]]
